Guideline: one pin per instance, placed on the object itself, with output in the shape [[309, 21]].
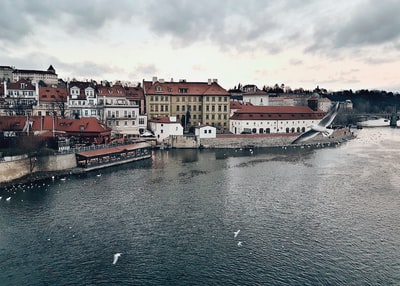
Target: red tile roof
[[191, 88], [17, 85], [86, 125], [249, 112], [134, 92], [113, 91], [53, 94], [165, 120]]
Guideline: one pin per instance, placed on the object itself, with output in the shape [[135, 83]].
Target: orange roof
[[164, 120], [184, 88], [115, 90], [50, 94], [17, 85], [83, 125]]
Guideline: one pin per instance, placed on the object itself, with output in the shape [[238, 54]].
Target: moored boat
[[374, 122]]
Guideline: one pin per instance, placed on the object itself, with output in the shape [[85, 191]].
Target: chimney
[[37, 89], [154, 79], [215, 80], [209, 81]]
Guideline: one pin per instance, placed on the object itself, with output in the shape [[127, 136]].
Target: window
[[205, 131], [183, 90], [177, 108], [141, 121], [159, 89], [126, 123]]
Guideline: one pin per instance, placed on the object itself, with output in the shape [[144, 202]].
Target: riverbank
[[252, 141]]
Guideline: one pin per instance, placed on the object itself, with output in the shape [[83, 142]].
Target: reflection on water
[[306, 217]]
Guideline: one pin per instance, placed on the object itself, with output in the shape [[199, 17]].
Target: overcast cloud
[[310, 30]]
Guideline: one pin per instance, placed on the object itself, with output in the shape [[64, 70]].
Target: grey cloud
[[266, 25], [19, 19], [367, 24], [147, 70]]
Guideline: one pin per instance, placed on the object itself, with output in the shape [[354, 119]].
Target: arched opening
[[293, 130], [267, 130], [254, 130], [261, 131], [298, 129], [287, 130], [303, 129]]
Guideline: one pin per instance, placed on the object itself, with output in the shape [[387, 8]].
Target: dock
[[113, 156]]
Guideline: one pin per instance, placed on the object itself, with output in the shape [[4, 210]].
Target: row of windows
[[17, 93], [189, 98], [116, 113], [194, 108], [208, 116], [268, 130], [124, 123], [238, 123]]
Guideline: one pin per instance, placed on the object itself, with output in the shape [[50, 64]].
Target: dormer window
[[183, 90], [159, 88]]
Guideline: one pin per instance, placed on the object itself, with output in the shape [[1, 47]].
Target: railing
[[90, 148]]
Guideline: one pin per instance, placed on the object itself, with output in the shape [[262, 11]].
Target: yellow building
[[192, 103]]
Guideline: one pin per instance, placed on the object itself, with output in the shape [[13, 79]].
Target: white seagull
[[236, 233], [8, 199], [116, 256], [239, 243], [321, 127]]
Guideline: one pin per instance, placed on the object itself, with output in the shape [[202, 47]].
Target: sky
[[336, 45]]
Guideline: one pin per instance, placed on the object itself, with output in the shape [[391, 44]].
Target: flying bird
[[116, 256], [321, 127], [8, 199], [236, 233], [239, 243]]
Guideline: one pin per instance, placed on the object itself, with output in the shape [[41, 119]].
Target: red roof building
[[273, 119], [86, 130], [190, 102]]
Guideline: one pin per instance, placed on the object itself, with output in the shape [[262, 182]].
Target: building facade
[[49, 77], [192, 103], [19, 98], [273, 119]]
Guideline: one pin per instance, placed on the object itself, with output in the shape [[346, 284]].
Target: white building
[[256, 97], [49, 77], [274, 119], [19, 97], [82, 100], [163, 127], [205, 131], [120, 113]]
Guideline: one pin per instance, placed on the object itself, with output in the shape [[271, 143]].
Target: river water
[[306, 217]]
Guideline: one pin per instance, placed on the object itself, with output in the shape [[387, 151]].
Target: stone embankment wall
[[253, 140], [13, 170]]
